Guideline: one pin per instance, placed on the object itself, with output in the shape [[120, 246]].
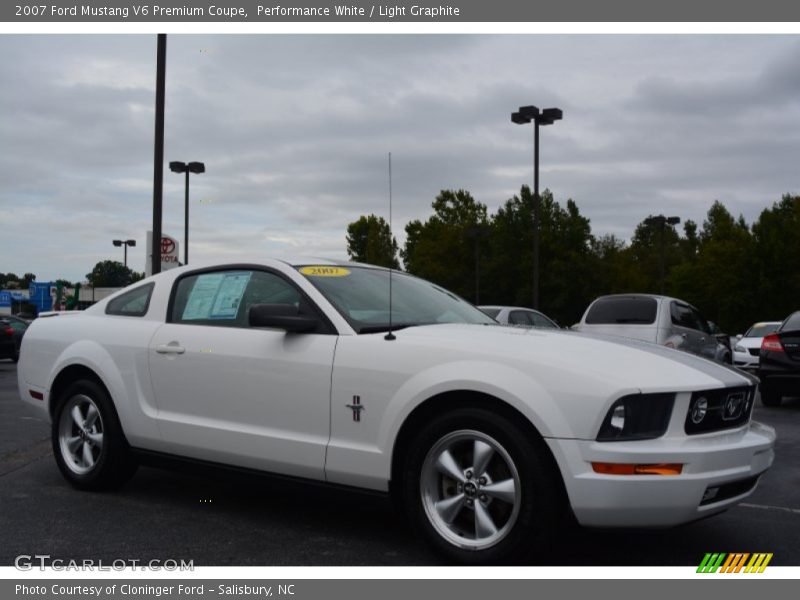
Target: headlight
[[739, 348], [637, 417], [699, 410]]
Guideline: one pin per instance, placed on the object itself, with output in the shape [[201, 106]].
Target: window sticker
[[216, 296], [325, 271]]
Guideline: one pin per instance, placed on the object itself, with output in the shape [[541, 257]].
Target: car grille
[[754, 351], [727, 408]]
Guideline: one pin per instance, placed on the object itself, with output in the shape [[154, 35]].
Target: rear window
[[622, 310], [792, 323], [761, 330]]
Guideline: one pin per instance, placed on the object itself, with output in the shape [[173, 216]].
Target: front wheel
[[479, 489], [88, 442]]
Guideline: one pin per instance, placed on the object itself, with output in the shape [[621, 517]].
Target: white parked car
[[747, 347], [519, 316], [486, 434]]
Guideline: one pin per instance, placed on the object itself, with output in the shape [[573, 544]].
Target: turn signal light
[[772, 343], [623, 469]]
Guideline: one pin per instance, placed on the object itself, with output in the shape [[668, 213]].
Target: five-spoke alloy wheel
[[88, 441], [480, 488], [470, 489], [80, 434]]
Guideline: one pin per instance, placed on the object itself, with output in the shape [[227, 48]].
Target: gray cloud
[[295, 132]]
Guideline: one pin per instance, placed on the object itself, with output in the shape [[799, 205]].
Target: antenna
[[390, 336]]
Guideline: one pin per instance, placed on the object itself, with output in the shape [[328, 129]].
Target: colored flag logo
[[739, 562]]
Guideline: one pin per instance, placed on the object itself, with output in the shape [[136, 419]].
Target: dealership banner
[[387, 589], [432, 11]]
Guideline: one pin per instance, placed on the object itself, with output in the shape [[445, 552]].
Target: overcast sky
[[295, 132]]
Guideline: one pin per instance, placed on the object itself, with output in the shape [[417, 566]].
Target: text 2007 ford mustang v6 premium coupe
[[484, 433]]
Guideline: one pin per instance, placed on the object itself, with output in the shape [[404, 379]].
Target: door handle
[[683, 335], [171, 348]]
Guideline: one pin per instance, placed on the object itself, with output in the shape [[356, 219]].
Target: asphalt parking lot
[[248, 521]]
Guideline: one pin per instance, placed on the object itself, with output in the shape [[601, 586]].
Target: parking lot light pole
[[125, 243], [181, 167], [661, 222], [546, 116]]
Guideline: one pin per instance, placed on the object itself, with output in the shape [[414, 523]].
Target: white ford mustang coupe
[[485, 434]]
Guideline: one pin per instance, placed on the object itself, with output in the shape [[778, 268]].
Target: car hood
[[554, 354]]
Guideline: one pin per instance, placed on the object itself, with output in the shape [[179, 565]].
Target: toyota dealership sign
[[169, 253]]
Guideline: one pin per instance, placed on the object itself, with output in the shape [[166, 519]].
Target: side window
[[133, 303], [540, 321], [223, 298], [519, 317], [701, 323], [682, 316]]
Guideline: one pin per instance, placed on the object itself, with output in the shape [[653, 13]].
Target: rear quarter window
[[133, 303], [628, 310]]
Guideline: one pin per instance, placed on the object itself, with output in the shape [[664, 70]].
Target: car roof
[[502, 307]]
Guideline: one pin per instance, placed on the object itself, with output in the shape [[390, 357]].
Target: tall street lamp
[[546, 116], [125, 243], [181, 167], [661, 222]]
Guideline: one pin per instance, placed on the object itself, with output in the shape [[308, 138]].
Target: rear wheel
[[88, 443], [479, 489], [769, 395]]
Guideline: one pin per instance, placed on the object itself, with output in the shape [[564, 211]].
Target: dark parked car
[[779, 362], [11, 331]]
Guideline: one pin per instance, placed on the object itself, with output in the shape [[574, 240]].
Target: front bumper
[[730, 461], [745, 360]]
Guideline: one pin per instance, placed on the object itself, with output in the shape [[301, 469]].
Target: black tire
[[769, 395], [15, 356], [109, 463], [524, 526]]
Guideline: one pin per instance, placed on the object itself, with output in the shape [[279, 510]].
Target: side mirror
[[738, 336], [281, 316]]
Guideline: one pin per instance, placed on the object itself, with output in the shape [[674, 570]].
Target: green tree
[[776, 249], [26, 280], [369, 240], [111, 273], [567, 264], [725, 293], [655, 248], [443, 248]]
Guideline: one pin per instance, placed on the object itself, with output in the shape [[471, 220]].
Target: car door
[[707, 343], [685, 325], [230, 393]]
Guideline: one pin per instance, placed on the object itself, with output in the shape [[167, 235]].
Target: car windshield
[[361, 295], [761, 329]]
